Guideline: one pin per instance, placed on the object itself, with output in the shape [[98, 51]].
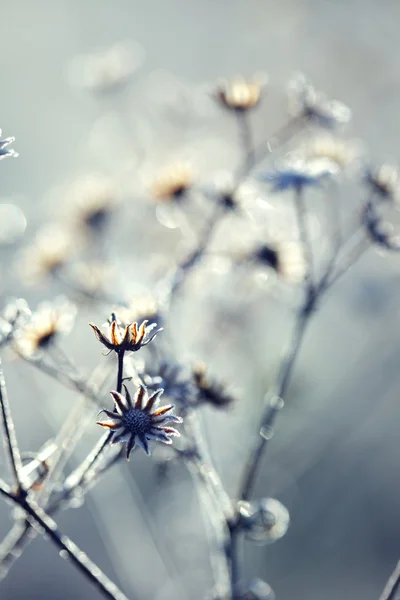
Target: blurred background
[[333, 460]]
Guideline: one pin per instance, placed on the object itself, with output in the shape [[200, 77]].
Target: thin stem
[[356, 253], [10, 438], [76, 382], [245, 137], [81, 561], [120, 374], [84, 470], [268, 418], [301, 215], [392, 586], [185, 267]]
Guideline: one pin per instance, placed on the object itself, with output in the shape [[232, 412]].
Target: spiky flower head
[[137, 421], [239, 93], [130, 337]]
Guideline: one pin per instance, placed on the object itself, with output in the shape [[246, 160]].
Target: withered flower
[[378, 230], [239, 94], [286, 258], [109, 70], [129, 338], [210, 391], [330, 153], [93, 200], [296, 174], [135, 423], [306, 102], [384, 181], [173, 182], [50, 252], [45, 325]]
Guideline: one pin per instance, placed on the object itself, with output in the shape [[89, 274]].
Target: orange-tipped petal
[[171, 431], [140, 394], [162, 410], [127, 335], [108, 424], [119, 401], [100, 336], [129, 446], [142, 332], [134, 332], [153, 400], [128, 397], [114, 334]]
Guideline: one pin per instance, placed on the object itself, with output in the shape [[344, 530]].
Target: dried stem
[[9, 437], [49, 527], [392, 586]]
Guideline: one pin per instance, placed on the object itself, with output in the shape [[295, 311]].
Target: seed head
[[239, 94], [173, 182], [130, 337]]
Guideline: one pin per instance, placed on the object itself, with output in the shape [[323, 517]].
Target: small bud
[[264, 522], [255, 589]]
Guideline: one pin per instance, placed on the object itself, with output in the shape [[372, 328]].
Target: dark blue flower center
[[137, 421]]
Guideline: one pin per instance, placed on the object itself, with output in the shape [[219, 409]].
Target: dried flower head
[[4, 150], [173, 182], [286, 258], [93, 200], [379, 231], [330, 153], [384, 181], [91, 278], [45, 326], [136, 422], [264, 521], [130, 337], [230, 194], [108, 70], [306, 102], [296, 174], [239, 94], [209, 391], [50, 252]]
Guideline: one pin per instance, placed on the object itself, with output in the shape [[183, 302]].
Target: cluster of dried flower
[[64, 255]]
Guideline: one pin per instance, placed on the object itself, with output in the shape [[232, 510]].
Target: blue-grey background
[[334, 459]]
